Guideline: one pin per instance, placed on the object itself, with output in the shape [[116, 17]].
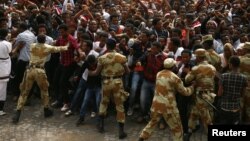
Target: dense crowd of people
[[179, 63]]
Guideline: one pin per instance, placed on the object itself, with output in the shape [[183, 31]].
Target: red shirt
[[67, 57], [153, 66]]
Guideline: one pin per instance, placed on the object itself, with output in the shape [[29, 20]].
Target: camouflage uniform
[[203, 74], [245, 69], [164, 103], [36, 72], [112, 85], [213, 58]]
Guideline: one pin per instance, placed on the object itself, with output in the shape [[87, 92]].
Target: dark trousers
[[183, 104], [50, 68], [227, 117], [19, 71], [1, 105], [61, 82]]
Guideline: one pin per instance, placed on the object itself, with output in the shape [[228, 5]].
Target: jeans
[[79, 94], [136, 78], [90, 94], [147, 94]]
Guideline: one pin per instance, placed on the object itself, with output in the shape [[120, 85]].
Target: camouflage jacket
[[203, 74], [167, 85], [39, 52], [245, 67], [113, 64], [214, 59]]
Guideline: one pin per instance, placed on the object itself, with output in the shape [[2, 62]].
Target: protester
[[160, 28]]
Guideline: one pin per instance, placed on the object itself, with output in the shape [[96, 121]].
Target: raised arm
[[54, 49]]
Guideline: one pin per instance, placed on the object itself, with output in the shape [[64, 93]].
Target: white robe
[[5, 67]]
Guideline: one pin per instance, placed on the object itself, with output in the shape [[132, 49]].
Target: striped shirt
[[233, 84]]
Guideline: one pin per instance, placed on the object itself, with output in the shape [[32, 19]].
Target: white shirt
[[96, 46], [178, 52], [5, 62], [106, 15]]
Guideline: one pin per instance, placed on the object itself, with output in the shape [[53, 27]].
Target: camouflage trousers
[[113, 88], [173, 120], [32, 75], [201, 110], [246, 106]]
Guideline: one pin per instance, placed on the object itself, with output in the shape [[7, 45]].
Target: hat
[[246, 46], [208, 37], [169, 63], [200, 52]]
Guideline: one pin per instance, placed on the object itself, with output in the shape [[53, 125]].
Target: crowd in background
[[142, 29]]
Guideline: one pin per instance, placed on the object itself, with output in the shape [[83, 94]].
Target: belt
[[4, 77], [4, 58], [234, 110], [36, 66], [111, 77], [204, 91]]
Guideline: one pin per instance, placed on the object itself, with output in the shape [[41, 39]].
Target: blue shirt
[[27, 37]]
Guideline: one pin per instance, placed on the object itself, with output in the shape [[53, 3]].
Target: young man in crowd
[[232, 88]]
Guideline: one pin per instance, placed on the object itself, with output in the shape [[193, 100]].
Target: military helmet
[[200, 52], [169, 63]]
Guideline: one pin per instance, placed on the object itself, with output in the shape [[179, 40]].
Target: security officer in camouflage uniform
[[35, 72], [245, 69], [164, 102], [112, 66], [212, 57], [203, 74]]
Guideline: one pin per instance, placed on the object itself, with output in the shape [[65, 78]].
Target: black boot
[[80, 121], [1, 105], [100, 125], [48, 112], [122, 134], [186, 136], [16, 117], [140, 139]]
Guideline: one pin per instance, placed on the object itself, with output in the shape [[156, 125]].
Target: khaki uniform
[[112, 84], [213, 59], [164, 104], [245, 69], [36, 72], [203, 74]]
